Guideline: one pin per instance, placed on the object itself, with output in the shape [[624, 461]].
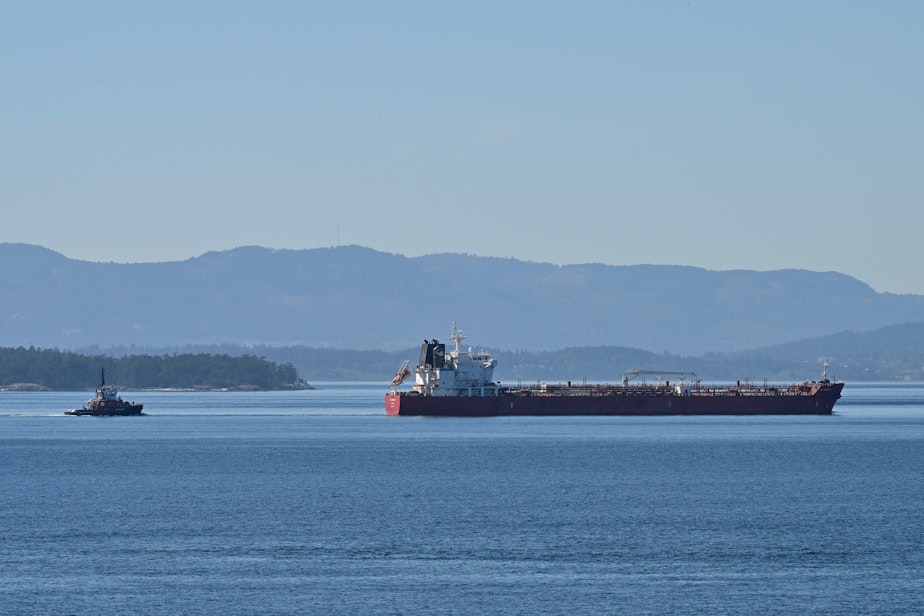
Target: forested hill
[[893, 353], [69, 371], [352, 297]]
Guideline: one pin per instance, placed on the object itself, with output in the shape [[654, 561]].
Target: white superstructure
[[456, 373]]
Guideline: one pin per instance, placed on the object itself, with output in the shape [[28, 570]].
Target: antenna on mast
[[457, 336]]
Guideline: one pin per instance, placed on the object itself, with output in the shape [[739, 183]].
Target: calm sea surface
[[316, 502]]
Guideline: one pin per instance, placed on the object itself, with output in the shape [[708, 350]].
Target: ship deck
[[582, 390]]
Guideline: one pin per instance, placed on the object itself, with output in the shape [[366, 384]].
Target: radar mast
[[457, 336]]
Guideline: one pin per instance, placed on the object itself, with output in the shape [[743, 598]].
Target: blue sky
[[724, 135]]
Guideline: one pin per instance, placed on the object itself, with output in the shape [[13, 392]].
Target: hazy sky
[[725, 135]]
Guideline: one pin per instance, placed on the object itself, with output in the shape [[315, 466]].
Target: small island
[[32, 369]]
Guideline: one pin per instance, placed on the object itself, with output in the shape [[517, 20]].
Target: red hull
[[819, 402]]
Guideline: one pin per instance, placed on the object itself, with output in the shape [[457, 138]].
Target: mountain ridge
[[358, 297]]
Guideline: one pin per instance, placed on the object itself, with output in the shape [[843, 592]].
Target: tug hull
[[108, 411]]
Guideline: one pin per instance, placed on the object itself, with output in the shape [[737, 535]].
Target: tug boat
[[460, 383], [107, 402]]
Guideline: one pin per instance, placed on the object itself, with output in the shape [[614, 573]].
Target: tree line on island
[[893, 353], [24, 368]]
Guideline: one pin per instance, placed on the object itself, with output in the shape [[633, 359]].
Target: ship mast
[[457, 336]]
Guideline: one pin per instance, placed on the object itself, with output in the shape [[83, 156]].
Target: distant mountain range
[[356, 298]]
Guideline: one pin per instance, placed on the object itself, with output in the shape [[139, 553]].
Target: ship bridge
[[454, 373]]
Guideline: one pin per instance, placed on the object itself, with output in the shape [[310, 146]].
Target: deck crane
[[401, 374]]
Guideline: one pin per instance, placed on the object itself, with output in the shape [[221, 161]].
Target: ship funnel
[[432, 354]]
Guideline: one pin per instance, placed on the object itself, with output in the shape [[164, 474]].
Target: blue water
[[315, 502]]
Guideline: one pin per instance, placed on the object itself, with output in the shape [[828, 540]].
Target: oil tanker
[[460, 383]]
